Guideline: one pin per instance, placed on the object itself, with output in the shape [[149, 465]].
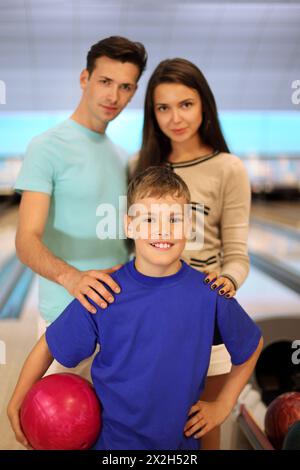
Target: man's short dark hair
[[118, 48]]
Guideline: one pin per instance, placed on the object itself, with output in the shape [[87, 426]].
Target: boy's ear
[[128, 226]]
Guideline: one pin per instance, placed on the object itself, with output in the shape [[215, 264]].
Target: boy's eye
[[104, 81]]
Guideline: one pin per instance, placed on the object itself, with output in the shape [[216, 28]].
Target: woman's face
[[178, 110]]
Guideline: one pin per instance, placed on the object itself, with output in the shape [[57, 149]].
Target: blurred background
[[250, 54]]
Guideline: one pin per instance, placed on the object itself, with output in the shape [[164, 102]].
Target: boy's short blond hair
[[157, 181]]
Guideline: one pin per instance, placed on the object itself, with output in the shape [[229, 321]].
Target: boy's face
[[159, 228], [109, 88]]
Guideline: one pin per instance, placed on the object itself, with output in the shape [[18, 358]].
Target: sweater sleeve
[[235, 223]]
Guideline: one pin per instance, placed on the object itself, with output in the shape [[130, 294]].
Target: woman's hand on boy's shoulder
[[226, 286]]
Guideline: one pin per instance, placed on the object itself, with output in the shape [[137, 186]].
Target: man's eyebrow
[[106, 78], [111, 80]]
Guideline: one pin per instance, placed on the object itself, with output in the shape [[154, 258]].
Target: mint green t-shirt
[[80, 169]]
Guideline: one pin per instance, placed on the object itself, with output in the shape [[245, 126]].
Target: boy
[[155, 339]]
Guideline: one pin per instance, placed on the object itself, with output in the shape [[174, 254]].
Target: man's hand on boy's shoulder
[[83, 284], [226, 286], [204, 416]]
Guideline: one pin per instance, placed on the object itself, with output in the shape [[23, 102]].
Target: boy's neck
[[154, 270]]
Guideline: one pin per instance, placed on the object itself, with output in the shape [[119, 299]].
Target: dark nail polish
[[221, 292], [206, 281], [213, 286], [227, 295]]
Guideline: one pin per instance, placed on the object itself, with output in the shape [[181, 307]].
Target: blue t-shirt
[[80, 169], [155, 342]]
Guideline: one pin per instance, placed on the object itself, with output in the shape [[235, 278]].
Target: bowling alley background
[[250, 54]]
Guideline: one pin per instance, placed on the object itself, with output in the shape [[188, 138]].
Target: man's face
[[109, 88]]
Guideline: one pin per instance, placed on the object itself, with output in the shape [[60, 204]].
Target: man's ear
[[128, 226], [84, 77]]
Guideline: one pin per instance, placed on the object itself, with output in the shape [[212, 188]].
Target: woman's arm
[[235, 223]]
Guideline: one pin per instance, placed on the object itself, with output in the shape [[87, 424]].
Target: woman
[[182, 130]]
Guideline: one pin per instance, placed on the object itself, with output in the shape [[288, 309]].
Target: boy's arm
[[35, 366], [207, 415], [237, 379]]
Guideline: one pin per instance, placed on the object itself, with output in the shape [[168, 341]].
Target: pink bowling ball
[[61, 412]]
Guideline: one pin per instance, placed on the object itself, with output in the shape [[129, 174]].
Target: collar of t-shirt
[[164, 281]]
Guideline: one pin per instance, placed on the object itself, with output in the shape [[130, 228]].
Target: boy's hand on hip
[[204, 416], [14, 418], [83, 284]]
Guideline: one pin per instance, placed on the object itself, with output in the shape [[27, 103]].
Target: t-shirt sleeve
[[37, 172], [238, 331], [73, 336]]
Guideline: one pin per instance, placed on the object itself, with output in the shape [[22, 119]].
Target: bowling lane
[[264, 297], [280, 212], [275, 232], [17, 339], [8, 224], [281, 244]]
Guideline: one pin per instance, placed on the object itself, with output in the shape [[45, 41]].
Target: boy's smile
[[161, 245]]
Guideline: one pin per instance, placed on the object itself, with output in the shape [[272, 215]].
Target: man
[[67, 172]]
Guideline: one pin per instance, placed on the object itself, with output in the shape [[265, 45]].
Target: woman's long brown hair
[[156, 147]]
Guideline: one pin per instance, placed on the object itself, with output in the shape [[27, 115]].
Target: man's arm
[[31, 250], [208, 415], [35, 366]]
